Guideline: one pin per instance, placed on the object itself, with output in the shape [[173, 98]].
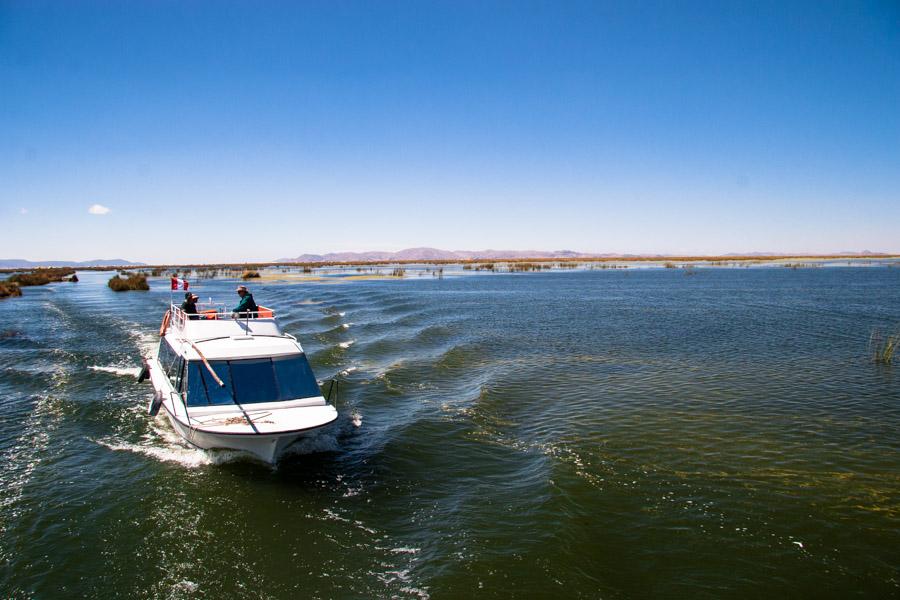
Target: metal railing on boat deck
[[214, 311]]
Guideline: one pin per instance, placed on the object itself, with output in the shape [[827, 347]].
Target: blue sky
[[254, 131]]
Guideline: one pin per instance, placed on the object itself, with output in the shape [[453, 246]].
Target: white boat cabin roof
[[220, 336]]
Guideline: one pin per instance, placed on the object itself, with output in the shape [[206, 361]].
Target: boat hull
[[266, 447]]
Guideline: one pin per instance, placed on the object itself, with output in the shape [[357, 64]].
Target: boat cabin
[[219, 361]]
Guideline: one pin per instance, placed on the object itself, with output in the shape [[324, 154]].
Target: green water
[[595, 434]]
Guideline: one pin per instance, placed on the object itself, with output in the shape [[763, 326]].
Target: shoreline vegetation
[[512, 264], [134, 277], [12, 286], [42, 276]]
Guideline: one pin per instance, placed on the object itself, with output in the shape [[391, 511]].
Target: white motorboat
[[236, 383]]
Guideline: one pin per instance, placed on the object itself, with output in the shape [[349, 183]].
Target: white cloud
[[23, 211], [98, 209]]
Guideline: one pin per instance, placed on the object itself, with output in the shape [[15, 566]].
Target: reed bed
[[883, 346], [250, 275], [42, 276], [134, 282], [9, 289], [521, 267]]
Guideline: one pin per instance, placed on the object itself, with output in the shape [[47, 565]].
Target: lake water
[[595, 434]]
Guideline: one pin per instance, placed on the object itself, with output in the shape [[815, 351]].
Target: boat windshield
[[251, 381]]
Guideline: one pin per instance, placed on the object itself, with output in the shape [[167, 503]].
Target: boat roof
[[219, 336]]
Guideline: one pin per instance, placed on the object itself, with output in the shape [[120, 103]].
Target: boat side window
[[254, 380], [167, 357], [196, 387], [295, 378], [177, 374]]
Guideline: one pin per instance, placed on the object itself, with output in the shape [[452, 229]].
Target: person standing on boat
[[247, 306], [189, 306]]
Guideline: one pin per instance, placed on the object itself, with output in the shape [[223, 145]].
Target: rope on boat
[[221, 384], [206, 363]]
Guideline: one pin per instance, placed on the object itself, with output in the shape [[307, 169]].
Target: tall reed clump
[[132, 282], [9, 289], [521, 267], [398, 272], [883, 346]]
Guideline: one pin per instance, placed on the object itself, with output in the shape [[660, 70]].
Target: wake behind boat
[[235, 383]]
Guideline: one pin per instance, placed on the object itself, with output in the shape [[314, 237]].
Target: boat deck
[[298, 415], [216, 322]]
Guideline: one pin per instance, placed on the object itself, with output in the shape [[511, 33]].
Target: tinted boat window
[[251, 381], [216, 393], [203, 390], [295, 378], [254, 380], [176, 374], [196, 389]]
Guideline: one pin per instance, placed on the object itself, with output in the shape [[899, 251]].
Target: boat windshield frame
[[249, 381]]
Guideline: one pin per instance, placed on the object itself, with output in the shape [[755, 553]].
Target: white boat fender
[[153, 407]]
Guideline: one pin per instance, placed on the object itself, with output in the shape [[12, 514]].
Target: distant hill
[[436, 254], [21, 263], [429, 254]]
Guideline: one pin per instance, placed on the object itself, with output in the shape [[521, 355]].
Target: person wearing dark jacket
[[189, 306], [247, 307]]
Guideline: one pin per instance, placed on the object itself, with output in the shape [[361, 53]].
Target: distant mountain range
[[409, 254], [21, 263], [412, 254], [436, 254]]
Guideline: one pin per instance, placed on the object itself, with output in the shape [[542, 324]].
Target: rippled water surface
[[614, 434]]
